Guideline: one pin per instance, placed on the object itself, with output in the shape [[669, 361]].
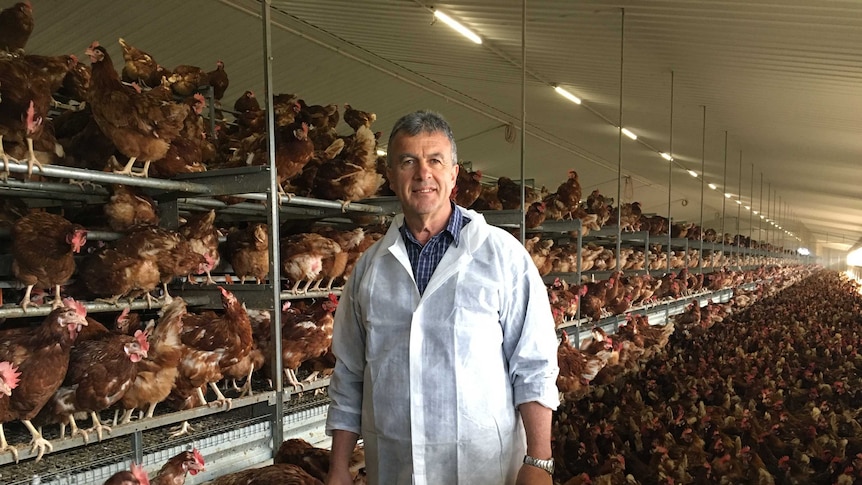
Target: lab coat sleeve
[[348, 345], [529, 341]]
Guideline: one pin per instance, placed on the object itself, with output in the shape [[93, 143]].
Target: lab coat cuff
[[549, 396], [343, 420]]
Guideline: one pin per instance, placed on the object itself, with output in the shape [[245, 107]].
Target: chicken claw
[[181, 430], [98, 426], [32, 159], [38, 442], [4, 446]]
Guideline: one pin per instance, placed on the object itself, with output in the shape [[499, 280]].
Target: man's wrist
[[547, 465]]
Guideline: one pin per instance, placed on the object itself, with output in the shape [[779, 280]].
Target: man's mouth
[[427, 190]]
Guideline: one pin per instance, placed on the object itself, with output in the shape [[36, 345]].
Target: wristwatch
[[547, 465]]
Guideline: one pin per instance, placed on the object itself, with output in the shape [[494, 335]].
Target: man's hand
[[530, 475]]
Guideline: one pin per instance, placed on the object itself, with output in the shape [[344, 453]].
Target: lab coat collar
[[472, 236]]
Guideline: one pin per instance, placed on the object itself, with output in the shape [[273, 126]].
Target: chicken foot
[[25, 302], [31, 160], [75, 430], [38, 442], [181, 430], [246, 390], [127, 170], [98, 427], [6, 172], [221, 400], [4, 445], [290, 375]]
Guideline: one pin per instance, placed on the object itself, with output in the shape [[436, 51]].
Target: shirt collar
[[457, 221]]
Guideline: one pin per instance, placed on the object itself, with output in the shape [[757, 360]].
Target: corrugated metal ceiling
[[782, 78]]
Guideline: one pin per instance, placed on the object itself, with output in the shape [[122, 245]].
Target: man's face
[[421, 173]]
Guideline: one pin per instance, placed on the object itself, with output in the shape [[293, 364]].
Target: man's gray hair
[[423, 122]]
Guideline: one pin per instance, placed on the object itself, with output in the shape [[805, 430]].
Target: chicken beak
[[4, 389]]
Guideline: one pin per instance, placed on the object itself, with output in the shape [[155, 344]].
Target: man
[[444, 338]]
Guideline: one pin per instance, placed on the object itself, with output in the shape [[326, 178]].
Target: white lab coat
[[432, 383]]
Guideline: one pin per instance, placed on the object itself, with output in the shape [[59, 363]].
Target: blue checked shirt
[[425, 260]]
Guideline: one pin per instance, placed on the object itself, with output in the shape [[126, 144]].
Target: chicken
[[356, 118], [26, 85], [136, 476], [173, 472], [306, 333], [293, 150], [140, 126], [468, 186], [201, 233], [535, 215], [157, 373], [302, 258], [16, 25], [186, 79], [335, 265], [577, 368], [509, 194], [101, 369], [247, 251], [279, 474], [114, 272], [76, 83], [212, 342], [286, 107], [322, 118], [190, 149], [298, 452], [219, 80], [43, 245], [352, 175], [140, 67], [630, 217], [246, 102], [42, 358], [568, 194], [128, 207]]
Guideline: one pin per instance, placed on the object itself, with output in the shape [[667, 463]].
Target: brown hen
[[16, 25], [140, 67], [140, 125], [43, 246], [248, 252]]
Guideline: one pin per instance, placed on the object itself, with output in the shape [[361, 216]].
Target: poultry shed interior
[[160, 248]]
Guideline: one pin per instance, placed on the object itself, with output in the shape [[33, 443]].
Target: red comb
[[333, 299], [10, 374], [139, 473], [285, 306], [141, 337], [198, 457], [77, 306]]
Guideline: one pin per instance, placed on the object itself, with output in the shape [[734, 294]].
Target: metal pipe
[[325, 204], [702, 186], [523, 228], [277, 422], [620, 140], [751, 213], [739, 214], [723, 197], [59, 171], [670, 175]]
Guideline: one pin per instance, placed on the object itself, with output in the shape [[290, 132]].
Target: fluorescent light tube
[[629, 134], [692, 173], [748, 207], [571, 97], [726, 195], [666, 156], [739, 202], [381, 153], [712, 186], [458, 27]]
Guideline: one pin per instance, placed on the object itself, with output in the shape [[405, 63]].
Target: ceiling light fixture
[[761, 216], [666, 156], [629, 134], [712, 186], [571, 97], [692, 173], [726, 195], [739, 202], [381, 153], [748, 207], [755, 212], [458, 27]]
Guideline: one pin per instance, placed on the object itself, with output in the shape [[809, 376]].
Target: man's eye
[[406, 163]]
